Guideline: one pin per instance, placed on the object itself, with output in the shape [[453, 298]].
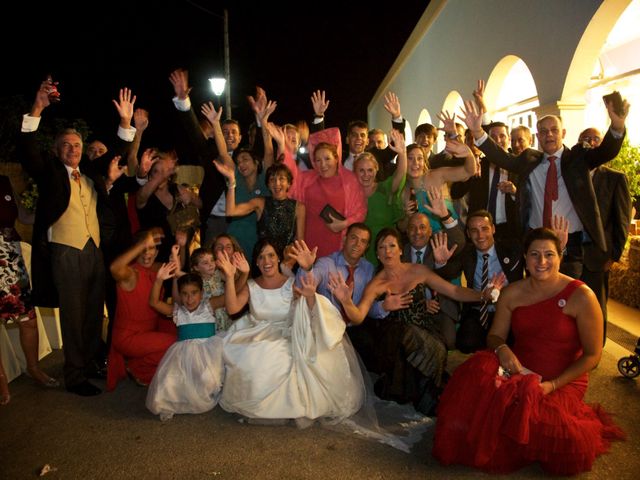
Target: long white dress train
[[286, 361]]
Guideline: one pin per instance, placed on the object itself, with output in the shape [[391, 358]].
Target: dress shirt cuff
[[481, 140], [142, 181], [182, 105], [451, 224], [377, 311], [317, 120], [29, 123], [616, 134], [436, 266], [127, 134], [397, 119]]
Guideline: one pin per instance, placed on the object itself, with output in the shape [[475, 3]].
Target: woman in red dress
[[141, 335], [528, 398]]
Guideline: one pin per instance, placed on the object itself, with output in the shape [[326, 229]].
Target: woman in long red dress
[[141, 336], [527, 400]]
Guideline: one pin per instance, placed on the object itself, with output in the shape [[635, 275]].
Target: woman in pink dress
[[328, 192], [528, 398]]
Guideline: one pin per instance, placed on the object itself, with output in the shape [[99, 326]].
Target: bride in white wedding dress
[[287, 358]]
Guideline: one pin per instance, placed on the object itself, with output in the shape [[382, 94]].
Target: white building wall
[[457, 42]]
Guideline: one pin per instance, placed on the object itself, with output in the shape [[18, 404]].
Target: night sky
[[345, 49]]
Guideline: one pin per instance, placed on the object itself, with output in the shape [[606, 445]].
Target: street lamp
[[217, 85]]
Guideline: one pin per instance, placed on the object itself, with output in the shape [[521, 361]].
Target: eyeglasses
[[590, 139]]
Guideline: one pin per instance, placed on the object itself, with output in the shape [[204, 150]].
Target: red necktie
[[550, 192]]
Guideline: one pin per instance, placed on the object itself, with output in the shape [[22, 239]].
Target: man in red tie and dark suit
[[558, 177]]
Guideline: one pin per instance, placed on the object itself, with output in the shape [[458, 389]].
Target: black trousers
[[78, 276], [470, 336]]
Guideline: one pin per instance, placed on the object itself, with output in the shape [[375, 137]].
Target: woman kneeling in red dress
[[528, 399]]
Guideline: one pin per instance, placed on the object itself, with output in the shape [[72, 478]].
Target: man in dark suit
[[441, 253], [494, 190], [67, 264], [557, 180], [614, 203], [501, 257]]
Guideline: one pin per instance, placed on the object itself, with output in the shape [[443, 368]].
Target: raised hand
[[180, 80], [301, 253], [141, 119], [457, 149], [617, 121], [114, 170], [441, 252], [240, 262], [146, 160], [338, 288], [497, 281], [265, 113], [42, 100], [226, 171], [396, 301], [478, 96], [448, 122], [224, 263], [276, 132], [397, 141], [153, 238], [210, 112], [124, 106], [319, 102], [167, 271], [436, 202], [259, 102], [392, 104], [307, 285], [472, 117]]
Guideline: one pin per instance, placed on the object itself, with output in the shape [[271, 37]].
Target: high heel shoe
[[42, 378]]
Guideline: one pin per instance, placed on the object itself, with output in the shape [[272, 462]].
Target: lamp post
[[217, 85]]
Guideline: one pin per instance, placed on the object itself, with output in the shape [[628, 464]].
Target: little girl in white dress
[[189, 377]]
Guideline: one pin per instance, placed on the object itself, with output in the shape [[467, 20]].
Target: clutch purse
[[328, 209]]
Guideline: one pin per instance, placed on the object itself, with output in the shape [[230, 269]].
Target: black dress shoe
[[97, 371], [84, 389]]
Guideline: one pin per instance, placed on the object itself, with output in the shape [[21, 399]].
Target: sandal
[[42, 378]]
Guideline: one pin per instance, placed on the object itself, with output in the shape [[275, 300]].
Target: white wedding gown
[[285, 361]]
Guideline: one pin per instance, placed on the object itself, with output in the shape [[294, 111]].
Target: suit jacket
[[453, 268], [54, 192], [206, 151], [614, 203], [478, 189], [509, 255], [576, 164]]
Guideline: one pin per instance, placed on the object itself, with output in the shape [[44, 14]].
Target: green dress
[[384, 209], [244, 228]]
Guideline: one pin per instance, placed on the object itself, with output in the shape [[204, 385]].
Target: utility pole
[[227, 67]]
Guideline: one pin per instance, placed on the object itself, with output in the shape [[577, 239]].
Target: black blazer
[[54, 191], [614, 203], [453, 268], [478, 189], [575, 164], [509, 255]]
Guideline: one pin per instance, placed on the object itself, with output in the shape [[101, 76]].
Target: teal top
[[190, 331], [244, 229], [384, 209], [434, 220]]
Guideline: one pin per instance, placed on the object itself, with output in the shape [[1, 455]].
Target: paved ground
[[113, 436]]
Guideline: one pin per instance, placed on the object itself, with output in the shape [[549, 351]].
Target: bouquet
[[29, 197]]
